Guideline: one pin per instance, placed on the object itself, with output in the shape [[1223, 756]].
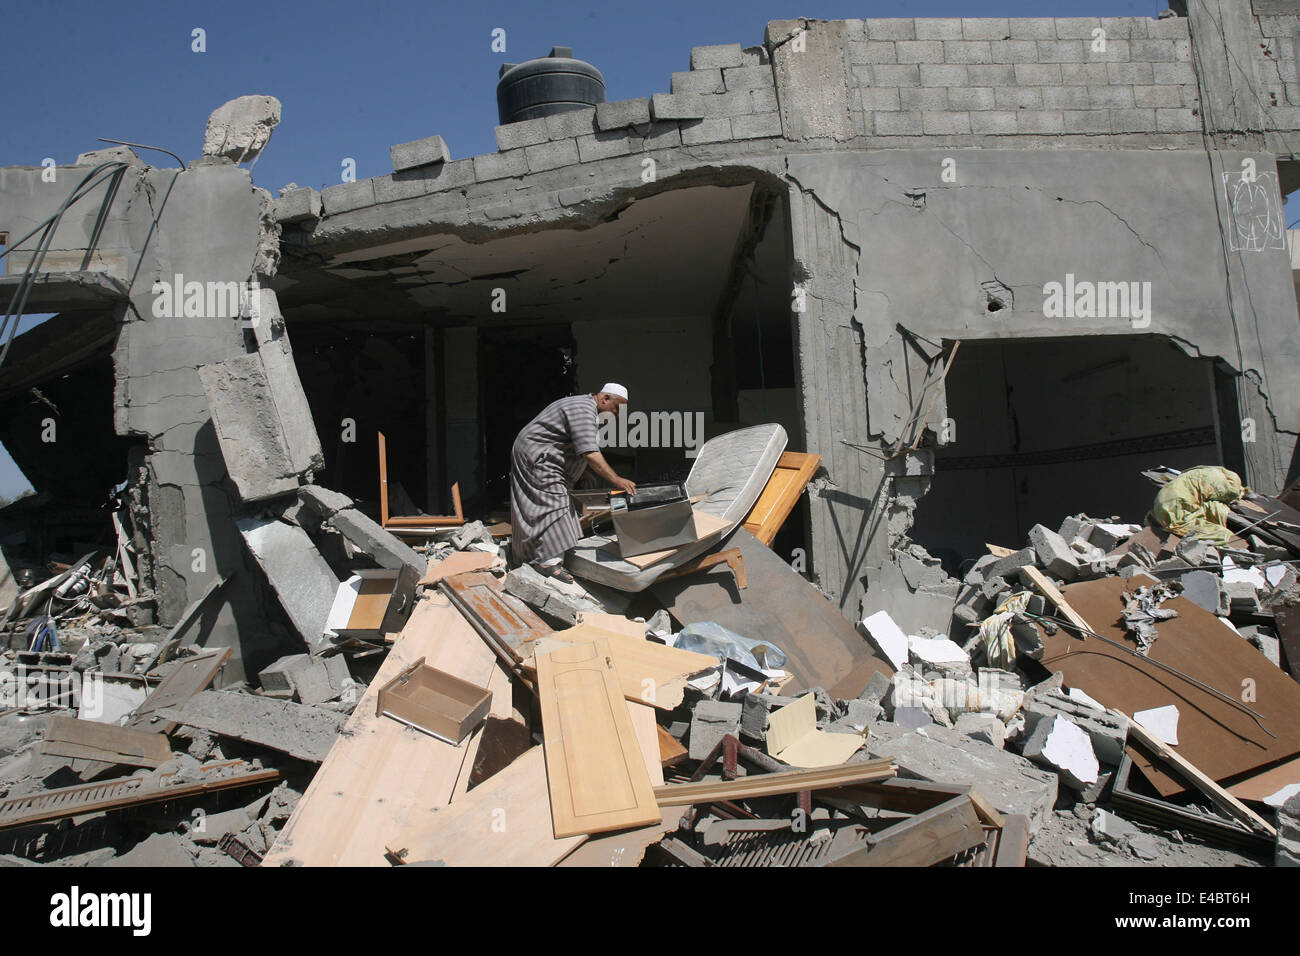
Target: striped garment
[[545, 461]]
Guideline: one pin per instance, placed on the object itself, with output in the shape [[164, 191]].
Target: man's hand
[[622, 484]]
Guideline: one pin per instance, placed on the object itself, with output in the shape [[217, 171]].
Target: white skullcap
[[613, 388]]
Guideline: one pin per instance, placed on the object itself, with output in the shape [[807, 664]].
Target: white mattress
[[732, 469]]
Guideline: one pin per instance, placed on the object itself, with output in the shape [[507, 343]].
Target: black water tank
[[551, 84]]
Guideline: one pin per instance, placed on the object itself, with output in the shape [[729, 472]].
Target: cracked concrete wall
[[213, 226], [886, 243]]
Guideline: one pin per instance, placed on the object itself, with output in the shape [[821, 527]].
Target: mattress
[[731, 469]]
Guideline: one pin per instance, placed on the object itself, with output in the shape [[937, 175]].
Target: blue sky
[[356, 77]]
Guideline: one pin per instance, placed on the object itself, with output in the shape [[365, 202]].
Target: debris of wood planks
[[90, 740], [614, 623], [594, 761], [625, 849], [505, 821], [648, 672], [647, 738], [506, 624], [705, 525], [781, 493], [500, 739], [1049, 591], [928, 838], [380, 776], [413, 524], [46, 805], [1220, 737], [1184, 768], [300, 731], [458, 562], [771, 784], [671, 752], [188, 678]]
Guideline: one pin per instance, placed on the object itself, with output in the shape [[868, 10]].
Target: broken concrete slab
[[711, 721], [307, 733], [1287, 852], [312, 680], [1053, 553], [550, 596], [337, 511], [938, 654], [1107, 731], [298, 574], [1063, 745], [297, 205], [267, 436], [1203, 589], [887, 637], [240, 128], [420, 152], [160, 849], [1009, 782], [983, 727]]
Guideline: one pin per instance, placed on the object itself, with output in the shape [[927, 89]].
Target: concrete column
[[460, 371]]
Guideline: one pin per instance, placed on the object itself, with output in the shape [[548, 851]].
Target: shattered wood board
[[511, 621], [647, 738], [625, 849], [613, 622], [380, 774], [457, 563], [1267, 783], [648, 672], [500, 712], [186, 679], [595, 765], [781, 493], [89, 740], [1221, 740], [823, 649], [300, 731], [505, 821], [705, 525], [928, 838]]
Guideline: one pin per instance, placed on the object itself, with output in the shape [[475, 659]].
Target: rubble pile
[[688, 741]]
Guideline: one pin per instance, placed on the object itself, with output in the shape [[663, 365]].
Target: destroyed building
[[987, 271]]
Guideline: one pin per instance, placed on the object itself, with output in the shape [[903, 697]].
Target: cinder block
[[920, 51], [896, 74], [1038, 74], [938, 28], [1178, 74], [694, 132], [1013, 51], [873, 51], [571, 123], [890, 28], [993, 122], [992, 74], [420, 152], [1076, 28], [659, 136], [717, 56], [990, 28], [761, 99], [756, 125], [1074, 758], [1087, 121], [967, 51], [874, 98], [1117, 51], [1084, 74], [605, 145], [1158, 97], [1129, 74], [1040, 121], [1108, 731], [758, 77], [898, 124], [924, 98], [1061, 51], [623, 113], [1053, 553], [521, 134], [551, 155], [1032, 28], [1110, 97], [491, 166], [944, 74], [341, 198], [971, 98], [945, 123], [1011, 564], [297, 205], [1065, 98], [670, 106], [710, 722], [1021, 98], [697, 81], [1177, 121], [1132, 121], [1152, 51]]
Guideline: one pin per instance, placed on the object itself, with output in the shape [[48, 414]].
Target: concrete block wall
[[1022, 76], [1278, 65]]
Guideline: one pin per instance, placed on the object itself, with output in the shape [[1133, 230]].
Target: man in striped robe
[[549, 455]]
